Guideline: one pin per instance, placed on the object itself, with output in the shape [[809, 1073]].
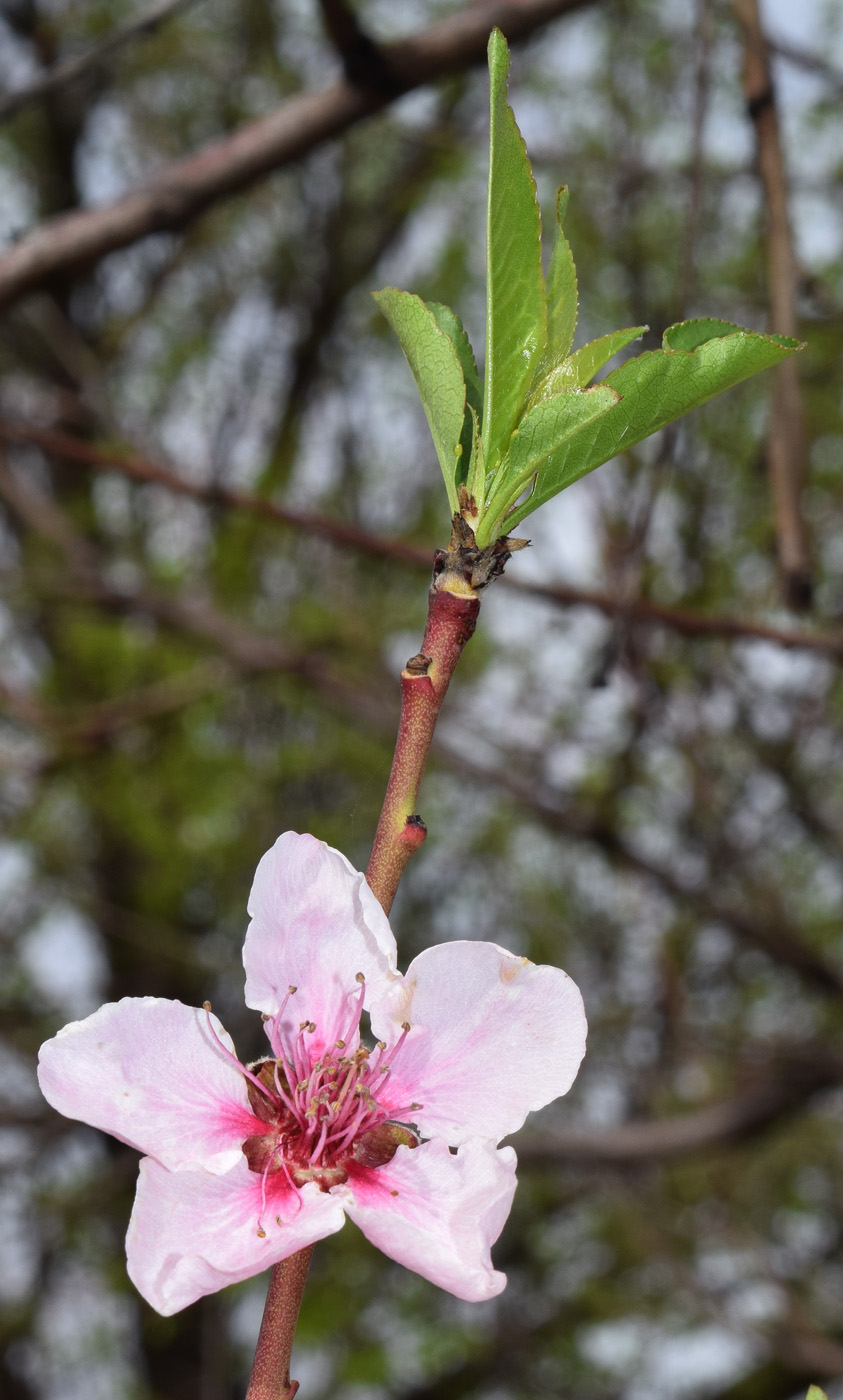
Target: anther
[[340, 1044], [292, 990], [261, 1233], [359, 977], [206, 1006], [405, 1025]]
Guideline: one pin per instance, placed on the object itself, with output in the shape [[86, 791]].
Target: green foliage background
[[659, 813]]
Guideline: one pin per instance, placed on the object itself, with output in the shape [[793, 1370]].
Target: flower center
[[320, 1102]]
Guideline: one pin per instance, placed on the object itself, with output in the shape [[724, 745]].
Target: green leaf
[[476, 478], [516, 311], [561, 289], [436, 368], [656, 388], [449, 322], [814, 1393], [579, 369], [689, 335], [539, 437]]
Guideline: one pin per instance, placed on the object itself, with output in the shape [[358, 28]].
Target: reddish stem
[[453, 605], [271, 1369], [451, 619]]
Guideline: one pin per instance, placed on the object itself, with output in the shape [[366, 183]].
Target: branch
[[639, 610], [786, 447], [69, 69], [141, 469], [684, 620], [789, 1089], [778, 939], [185, 188], [805, 58], [252, 652], [363, 62], [86, 728]]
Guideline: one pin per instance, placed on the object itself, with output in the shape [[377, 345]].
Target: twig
[[786, 449], [252, 652], [141, 469], [75, 733], [788, 1090], [703, 38], [270, 1378], [805, 58], [363, 62], [187, 187], [451, 619], [69, 69], [639, 610], [778, 939]]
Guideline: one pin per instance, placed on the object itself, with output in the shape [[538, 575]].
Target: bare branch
[[638, 610], [805, 58], [789, 1089], [786, 448], [684, 620], [777, 938], [79, 730], [252, 652], [187, 187], [69, 69], [363, 62]]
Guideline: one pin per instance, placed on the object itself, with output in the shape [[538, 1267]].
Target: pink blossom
[[244, 1166]]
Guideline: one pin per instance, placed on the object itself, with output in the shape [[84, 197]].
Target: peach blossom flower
[[245, 1165]]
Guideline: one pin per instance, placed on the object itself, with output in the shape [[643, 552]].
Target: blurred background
[[218, 502]]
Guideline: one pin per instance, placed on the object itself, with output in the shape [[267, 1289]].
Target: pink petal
[[192, 1233], [149, 1072], [438, 1213], [492, 1038], [315, 925]]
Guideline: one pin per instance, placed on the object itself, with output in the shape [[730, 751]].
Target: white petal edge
[[439, 1213], [149, 1071], [192, 1233], [493, 1037], [315, 926]]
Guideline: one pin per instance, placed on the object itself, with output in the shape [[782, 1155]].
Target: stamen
[[356, 1010], [385, 1062], [275, 1037], [265, 1173], [285, 1099], [206, 1006]]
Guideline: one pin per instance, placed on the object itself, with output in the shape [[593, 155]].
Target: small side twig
[[68, 70], [786, 448], [641, 611]]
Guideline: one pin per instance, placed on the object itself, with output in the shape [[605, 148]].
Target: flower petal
[[149, 1071], [493, 1037], [192, 1233], [315, 925], [438, 1213]]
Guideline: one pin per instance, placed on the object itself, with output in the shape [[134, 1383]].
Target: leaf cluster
[[538, 422]]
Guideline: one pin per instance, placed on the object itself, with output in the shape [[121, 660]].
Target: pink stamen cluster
[[322, 1112]]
